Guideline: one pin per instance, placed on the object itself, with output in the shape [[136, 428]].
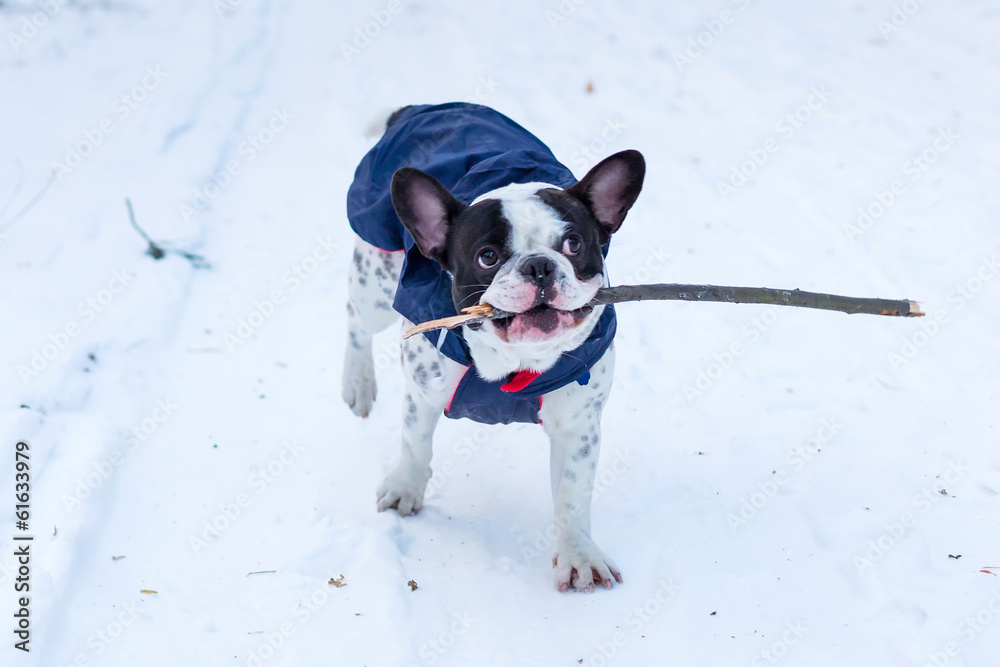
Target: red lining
[[455, 390], [520, 380]]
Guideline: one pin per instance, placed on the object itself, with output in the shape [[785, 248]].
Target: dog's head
[[530, 249]]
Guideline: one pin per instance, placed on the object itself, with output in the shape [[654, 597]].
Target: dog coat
[[471, 150]]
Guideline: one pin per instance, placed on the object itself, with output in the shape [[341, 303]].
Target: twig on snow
[[155, 251]]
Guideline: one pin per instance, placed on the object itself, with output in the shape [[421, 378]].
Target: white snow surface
[[778, 486]]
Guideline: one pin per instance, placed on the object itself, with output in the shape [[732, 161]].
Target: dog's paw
[[581, 565], [401, 493], [358, 384]]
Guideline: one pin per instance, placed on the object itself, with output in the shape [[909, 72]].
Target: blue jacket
[[471, 150]]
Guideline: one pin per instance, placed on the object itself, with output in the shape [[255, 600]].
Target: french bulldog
[[458, 205]]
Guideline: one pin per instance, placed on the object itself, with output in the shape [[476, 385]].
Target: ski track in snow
[[778, 486]]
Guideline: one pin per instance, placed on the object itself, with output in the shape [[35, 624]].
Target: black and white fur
[[532, 249]]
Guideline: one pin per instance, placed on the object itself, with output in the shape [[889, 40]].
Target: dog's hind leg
[[371, 286]]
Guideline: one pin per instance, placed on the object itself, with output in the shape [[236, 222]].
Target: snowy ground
[[779, 487]]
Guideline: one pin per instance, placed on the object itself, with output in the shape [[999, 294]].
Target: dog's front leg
[[431, 379], [571, 417]]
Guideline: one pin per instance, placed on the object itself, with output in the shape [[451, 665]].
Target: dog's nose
[[539, 269]]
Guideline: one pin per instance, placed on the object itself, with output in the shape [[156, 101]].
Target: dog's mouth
[[540, 321]]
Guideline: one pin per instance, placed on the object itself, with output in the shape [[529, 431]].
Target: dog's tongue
[[542, 318]]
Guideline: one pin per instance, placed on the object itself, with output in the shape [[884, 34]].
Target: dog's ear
[[610, 188], [427, 209]]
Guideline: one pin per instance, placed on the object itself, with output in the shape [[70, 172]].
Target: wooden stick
[[480, 312], [674, 292], [777, 297]]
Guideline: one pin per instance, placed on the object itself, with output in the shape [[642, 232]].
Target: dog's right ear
[[426, 209]]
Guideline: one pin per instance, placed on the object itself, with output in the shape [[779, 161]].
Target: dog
[[457, 205]]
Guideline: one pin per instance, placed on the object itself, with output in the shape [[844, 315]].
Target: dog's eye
[[488, 258], [571, 246]]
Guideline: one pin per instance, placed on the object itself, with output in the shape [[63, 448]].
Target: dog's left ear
[[610, 188], [427, 209]]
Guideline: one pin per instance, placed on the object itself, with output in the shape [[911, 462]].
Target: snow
[[740, 543]]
